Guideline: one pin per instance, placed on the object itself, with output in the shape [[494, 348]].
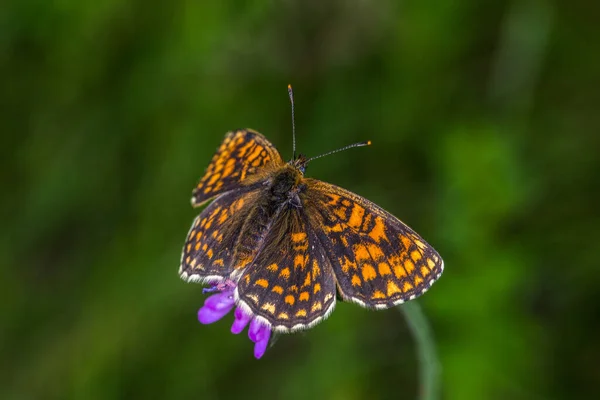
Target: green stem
[[429, 366]]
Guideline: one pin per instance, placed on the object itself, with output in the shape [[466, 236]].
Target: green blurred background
[[485, 124]]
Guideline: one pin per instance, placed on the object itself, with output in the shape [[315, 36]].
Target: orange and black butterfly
[[293, 245]]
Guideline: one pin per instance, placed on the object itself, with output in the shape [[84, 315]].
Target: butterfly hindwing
[[290, 284], [378, 261], [209, 248], [244, 157]]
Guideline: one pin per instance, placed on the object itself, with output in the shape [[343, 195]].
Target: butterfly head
[[300, 163]]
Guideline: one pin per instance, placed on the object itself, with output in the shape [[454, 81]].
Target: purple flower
[[220, 304]]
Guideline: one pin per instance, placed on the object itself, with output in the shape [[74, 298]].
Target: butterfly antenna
[[291, 94], [361, 144]]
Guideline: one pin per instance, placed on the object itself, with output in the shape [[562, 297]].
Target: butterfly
[[293, 245]]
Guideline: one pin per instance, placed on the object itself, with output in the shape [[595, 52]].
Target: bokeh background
[[485, 122]]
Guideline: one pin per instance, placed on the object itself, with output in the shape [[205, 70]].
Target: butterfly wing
[[244, 158], [378, 260], [290, 284], [209, 248]]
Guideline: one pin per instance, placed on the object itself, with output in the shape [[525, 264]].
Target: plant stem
[[429, 366]]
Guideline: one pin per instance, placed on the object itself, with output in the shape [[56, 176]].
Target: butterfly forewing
[[378, 261], [244, 157], [290, 284]]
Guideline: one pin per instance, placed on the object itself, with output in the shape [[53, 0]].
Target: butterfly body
[[285, 186], [293, 245]]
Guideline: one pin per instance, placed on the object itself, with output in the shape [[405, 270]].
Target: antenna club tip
[[368, 142], [289, 87]]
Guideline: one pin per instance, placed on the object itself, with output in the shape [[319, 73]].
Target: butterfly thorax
[[285, 184]]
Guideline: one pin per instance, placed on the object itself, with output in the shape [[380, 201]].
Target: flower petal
[[219, 304], [241, 320], [215, 307], [219, 301], [261, 346], [256, 330]]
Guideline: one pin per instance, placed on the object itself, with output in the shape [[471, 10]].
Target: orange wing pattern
[[243, 158], [290, 285], [208, 250], [378, 261]]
